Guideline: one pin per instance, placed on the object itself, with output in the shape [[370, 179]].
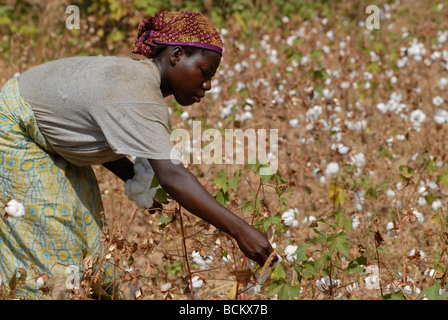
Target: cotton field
[[357, 208]]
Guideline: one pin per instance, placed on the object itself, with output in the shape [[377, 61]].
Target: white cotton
[[437, 101], [165, 286], [442, 83], [185, 115], [289, 218], [372, 282], [332, 169], [430, 272], [390, 193], [358, 159], [358, 197], [422, 201], [203, 263], [324, 283], [417, 118], [308, 219], [40, 282], [227, 258], [418, 215], [197, 283], [15, 209], [440, 116], [412, 252], [355, 222], [289, 251], [293, 123], [138, 189], [340, 148], [436, 204], [391, 233]]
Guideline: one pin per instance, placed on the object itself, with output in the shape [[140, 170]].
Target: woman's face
[[190, 76]]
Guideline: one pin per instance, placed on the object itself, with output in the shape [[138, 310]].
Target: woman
[[61, 117]]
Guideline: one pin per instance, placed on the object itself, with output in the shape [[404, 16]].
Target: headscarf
[[185, 28]]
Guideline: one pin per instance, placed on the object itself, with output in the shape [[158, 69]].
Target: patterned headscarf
[[185, 28]]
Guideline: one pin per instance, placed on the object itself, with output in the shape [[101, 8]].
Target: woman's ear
[[176, 54]]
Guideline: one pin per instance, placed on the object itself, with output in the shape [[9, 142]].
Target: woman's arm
[[185, 188], [122, 168]]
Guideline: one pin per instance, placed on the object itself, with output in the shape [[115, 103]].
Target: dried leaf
[[232, 293], [242, 276], [139, 294], [379, 239]]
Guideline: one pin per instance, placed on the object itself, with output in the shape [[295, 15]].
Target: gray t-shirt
[[97, 109]]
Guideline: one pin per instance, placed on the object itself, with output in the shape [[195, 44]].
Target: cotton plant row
[[337, 119]]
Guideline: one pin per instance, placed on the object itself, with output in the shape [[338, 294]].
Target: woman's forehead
[[210, 59]]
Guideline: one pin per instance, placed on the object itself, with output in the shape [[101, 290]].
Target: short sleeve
[[136, 128]]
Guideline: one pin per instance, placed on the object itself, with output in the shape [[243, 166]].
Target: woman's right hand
[[253, 243]]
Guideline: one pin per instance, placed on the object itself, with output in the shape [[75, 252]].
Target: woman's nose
[[207, 85]]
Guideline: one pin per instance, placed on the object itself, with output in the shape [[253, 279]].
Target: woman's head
[[186, 48], [184, 28]]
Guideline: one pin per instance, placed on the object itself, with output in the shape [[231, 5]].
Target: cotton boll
[[324, 284], [390, 193], [355, 222], [288, 218], [437, 101], [332, 169], [40, 282], [418, 215], [15, 209], [358, 159], [440, 116], [417, 118], [436, 204], [390, 232], [227, 258], [308, 219], [293, 123], [289, 252], [197, 283], [442, 83], [165, 286], [138, 188], [421, 201], [185, 115], [200, 261], [340, 148]]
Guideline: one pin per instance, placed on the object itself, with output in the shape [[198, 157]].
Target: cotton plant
[[138, 189]]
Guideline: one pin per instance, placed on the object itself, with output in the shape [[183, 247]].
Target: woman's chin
[[187, 101]]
